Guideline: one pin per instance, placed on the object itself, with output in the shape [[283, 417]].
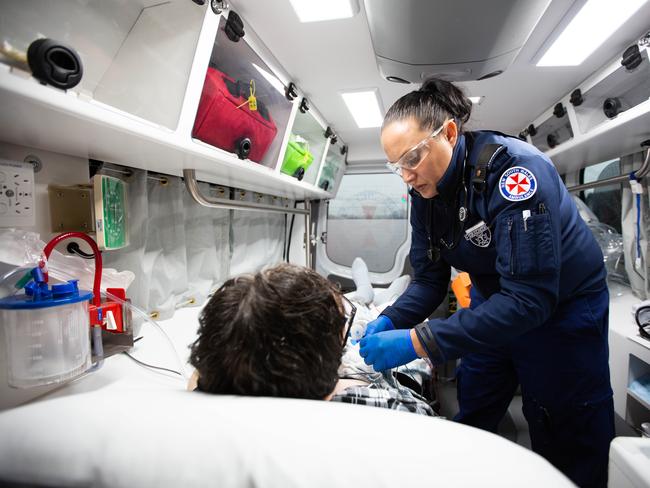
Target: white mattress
[[125, 426]]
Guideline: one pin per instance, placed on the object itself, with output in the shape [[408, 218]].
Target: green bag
[[297, 157]]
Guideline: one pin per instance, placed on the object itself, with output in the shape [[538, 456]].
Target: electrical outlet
[[16, 194]]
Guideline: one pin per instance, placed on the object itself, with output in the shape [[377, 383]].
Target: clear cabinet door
[[133, 55], [243, 108], [333, 167], [304, 151]]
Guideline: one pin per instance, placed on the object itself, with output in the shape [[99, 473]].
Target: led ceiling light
[[364, 107], [476, 100], [315, 11], [591, 26]]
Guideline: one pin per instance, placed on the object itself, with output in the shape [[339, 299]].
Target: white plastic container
[[47, 334]]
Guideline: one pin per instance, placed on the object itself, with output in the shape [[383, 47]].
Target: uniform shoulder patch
[[517, 184]]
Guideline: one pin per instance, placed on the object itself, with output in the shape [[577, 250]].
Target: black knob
[[576, 97], [522, 135], [559, 111], [335, 139], [304, 106], [631, 57], [54, 63], [244, 146], [299, 173], [611, 107], [291, 92], [234, 27], [551, 140], [344, 149], [532, 131], [325, 185]]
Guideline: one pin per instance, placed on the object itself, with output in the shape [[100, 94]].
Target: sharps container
[[47, 332]]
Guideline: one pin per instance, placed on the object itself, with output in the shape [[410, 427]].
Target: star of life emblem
[[479, 235], [517, 184]]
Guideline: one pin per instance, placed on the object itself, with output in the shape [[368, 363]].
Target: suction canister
[[47, 332]]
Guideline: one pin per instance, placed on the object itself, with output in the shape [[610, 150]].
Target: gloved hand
[[380, 324], [388, 349]]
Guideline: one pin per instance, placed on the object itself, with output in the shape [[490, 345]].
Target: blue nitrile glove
[[380, 324], [388, 349]]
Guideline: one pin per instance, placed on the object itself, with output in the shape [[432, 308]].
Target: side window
[[604, 201], [368, 218]]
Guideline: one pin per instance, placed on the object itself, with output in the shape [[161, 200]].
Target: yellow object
[[461, 286], [252, 101]]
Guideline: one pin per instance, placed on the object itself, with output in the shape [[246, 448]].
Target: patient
[[281, 332]]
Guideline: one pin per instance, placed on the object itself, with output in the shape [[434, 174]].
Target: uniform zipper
[[512, 245]]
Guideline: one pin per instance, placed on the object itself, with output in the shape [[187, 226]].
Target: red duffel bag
[[225, 120]]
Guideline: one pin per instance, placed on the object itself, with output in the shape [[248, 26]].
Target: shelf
[[43, 117], [611, 139], [644, 403]]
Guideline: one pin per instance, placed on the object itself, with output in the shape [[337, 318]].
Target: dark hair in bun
[[436, 101]]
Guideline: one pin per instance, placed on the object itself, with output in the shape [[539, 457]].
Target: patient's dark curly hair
[[275, 333]]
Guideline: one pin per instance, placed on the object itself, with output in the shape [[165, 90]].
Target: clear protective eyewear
[[412, 158]]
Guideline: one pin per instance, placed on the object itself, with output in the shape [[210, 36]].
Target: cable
[[293, 217], [73, 248], [146, 319], [151, 365], [284, 235]]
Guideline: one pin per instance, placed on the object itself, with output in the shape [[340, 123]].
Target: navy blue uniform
[[539, 309]]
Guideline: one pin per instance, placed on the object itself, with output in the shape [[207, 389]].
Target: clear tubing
[[141, 314]]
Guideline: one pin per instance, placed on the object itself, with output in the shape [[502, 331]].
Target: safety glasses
[[350, 311], [412, 158], [643, 321]]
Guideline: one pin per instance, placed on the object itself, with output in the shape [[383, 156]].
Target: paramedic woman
[[494, 206]]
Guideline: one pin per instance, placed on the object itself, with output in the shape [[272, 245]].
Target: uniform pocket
[[526, 246]]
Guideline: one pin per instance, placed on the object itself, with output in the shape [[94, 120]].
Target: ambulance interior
[[188, 141]]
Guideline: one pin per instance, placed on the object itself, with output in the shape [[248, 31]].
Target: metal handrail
[[638, 174], [192, 186]]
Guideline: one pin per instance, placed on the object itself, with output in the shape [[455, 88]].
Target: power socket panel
[[16, 194]]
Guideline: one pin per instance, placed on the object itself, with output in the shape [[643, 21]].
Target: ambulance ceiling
[[326, 58]]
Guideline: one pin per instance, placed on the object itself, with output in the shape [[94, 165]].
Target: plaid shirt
[[402, 398]]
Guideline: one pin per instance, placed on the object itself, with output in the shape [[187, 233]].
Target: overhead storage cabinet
[[135, 56], [333, 167], [305, 149], [554, 129], [243, 108], [162, 86], [607, 116], [618, 91]]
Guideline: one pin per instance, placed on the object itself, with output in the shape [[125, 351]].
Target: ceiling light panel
[[316, 11], [364, 107]]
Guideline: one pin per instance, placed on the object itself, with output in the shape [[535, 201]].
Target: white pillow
[[172, 438]]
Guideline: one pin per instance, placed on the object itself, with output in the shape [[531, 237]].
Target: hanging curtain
[[207, 238], [634, 218], [257, 237], [177, 249]]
